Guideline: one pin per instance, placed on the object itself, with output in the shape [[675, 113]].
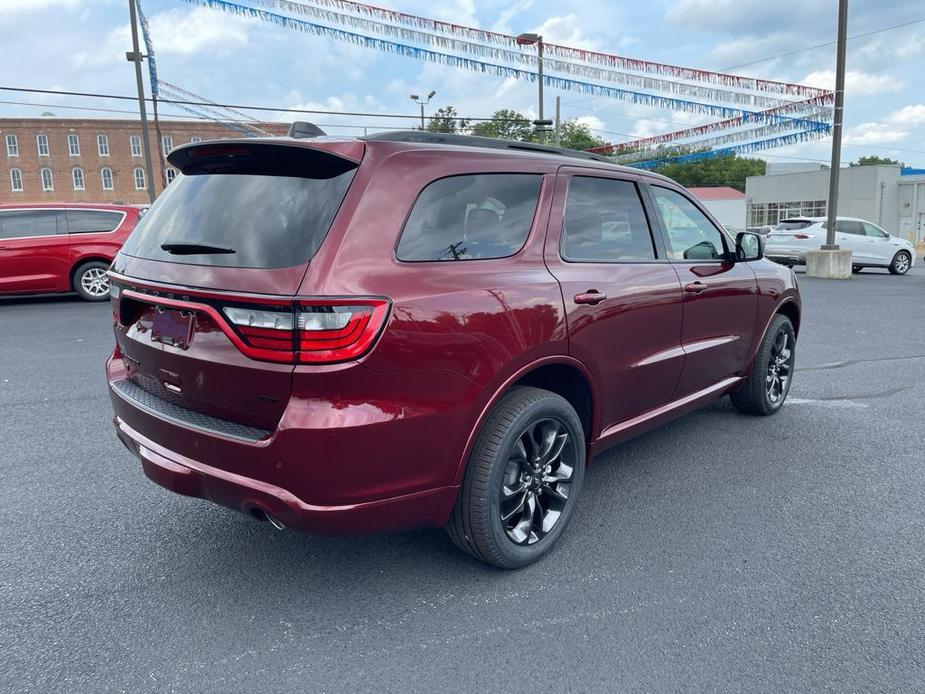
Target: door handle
[[695, 287], [592, 297]]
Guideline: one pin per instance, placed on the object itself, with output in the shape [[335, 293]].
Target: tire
[[768, 383], [91, 282], [502, 460], [902, 261]]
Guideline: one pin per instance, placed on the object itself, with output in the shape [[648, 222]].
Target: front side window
[[106, 177], [41, 142], [47, 181], [78, 175], [691, 235], [850, 227], [471, 217], [139, 175], [26, 223], [15, 180], [73, 145], [605, 222], [92, 221], [135, 143], [12, 145], [102, 145], [873, 231]]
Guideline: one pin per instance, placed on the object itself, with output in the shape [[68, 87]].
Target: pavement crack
[[854, 362]]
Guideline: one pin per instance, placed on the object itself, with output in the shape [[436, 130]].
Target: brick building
[[91, 160]]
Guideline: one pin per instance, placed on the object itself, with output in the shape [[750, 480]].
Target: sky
[[79, 45]]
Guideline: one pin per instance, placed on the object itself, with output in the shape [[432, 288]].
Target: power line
[[825, 45]]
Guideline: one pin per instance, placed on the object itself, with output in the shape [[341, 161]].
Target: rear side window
[[793, 225], [253, 219], [26, 223], [605, 222], [90, 221], [471, 217]]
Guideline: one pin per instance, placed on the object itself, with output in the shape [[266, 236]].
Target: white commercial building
[[889, 196], [727, 205]]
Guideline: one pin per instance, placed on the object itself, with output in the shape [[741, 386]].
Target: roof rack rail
[[479, 141]]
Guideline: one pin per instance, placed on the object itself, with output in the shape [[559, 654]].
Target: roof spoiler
[[302, 129]]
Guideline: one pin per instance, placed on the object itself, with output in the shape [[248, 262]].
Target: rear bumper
[[184, 475]]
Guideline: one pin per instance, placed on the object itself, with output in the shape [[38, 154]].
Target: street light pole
[[837, 121], [423, 103], [529, 40], [136, 57]]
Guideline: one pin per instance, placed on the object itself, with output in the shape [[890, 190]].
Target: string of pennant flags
[[753, 112]]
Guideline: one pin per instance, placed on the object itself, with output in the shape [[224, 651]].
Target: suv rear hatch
[[191, 330]]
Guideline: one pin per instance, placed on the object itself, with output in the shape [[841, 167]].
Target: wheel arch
[[561, 374], [791, 310]]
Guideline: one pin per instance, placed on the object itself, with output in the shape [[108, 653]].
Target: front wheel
[[522, 481], [768, 383], [91, 281], [902, 261]]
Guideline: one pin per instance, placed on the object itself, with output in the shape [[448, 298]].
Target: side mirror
[[749, 246]]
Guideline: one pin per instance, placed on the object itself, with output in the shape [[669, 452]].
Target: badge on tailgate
[[173, 327]]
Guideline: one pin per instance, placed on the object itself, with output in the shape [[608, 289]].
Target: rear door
[[622, 297], [34, 251], [720, 296]]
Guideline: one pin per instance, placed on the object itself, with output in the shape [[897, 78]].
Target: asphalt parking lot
[[721, 553]]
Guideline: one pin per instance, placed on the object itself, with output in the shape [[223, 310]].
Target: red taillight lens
[[311, 332], [802, 237], [338, 331]]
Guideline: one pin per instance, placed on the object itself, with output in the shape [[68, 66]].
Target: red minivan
[[49, 247], [361, 335]]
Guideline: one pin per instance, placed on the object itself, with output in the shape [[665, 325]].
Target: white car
[[870, 245]]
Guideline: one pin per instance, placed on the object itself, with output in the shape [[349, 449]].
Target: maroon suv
[[352, 336]]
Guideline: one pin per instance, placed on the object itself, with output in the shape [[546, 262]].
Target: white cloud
[[874, 134], [859, 83], [566, 30], [913, 114], [592, 122], [19, 6]]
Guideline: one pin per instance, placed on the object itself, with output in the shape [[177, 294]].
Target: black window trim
[[66, 231], [658, 248], [533, 222], [727, 256]]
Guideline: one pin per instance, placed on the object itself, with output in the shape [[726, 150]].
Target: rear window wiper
[[182, 248]]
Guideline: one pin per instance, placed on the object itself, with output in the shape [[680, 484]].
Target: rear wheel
[[767, 385], [91, 281], [902, 261], [522, 481]]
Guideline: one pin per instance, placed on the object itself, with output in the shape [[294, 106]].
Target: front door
[[720, 296], [622, 297], [34, 249], [850, 235]]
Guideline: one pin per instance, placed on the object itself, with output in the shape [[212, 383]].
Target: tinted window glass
[[793, 225], [847, 227], [269, 221], [86, 221], [471, 217], [24, 223], [605, 221], [690, 234]]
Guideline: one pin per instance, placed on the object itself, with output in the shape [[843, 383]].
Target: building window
[[47, 181], [42, 142], [135, 143], [139, 175], [195, 138], [171, 175], [102, 144], [12, 146], [16, 180], [106, 175], [78, 175], [73, 145], [166, 144]]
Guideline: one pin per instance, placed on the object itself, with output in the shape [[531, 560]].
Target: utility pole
[[136, 57], [558, 121], [837, 121], [529, 40]]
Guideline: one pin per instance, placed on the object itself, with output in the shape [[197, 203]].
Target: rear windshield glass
[[267, 221], [791, 225]]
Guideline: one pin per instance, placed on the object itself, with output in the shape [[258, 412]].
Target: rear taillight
[[310, 332]]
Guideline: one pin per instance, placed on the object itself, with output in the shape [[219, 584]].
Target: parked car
[[870, 245], [47, 248], [361, 335]]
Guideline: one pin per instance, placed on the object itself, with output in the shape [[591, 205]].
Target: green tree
[[714, 171], [446, 120], [506, 124], [574, 134], [874, 160]]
